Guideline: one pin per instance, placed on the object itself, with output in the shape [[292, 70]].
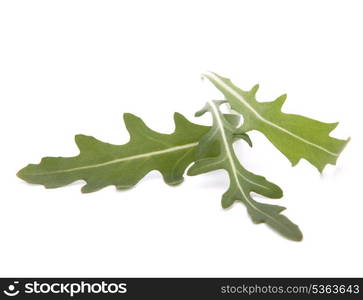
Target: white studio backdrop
[[69, 67]]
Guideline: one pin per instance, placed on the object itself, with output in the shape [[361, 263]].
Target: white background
[[69, 67]]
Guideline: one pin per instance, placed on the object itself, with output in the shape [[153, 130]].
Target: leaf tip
[[78, 138], [175, 182], [244, 136], [202, 111], [279, 102], [89, 188], [82, 141], [129, 117], [26, 173], [226, 202], [332, 126], [278, 192], [20, 174], [207, 73], [179, 118], [294, 163], [297, 236], [254, 89]]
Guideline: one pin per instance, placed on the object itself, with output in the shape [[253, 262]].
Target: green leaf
[[102, 164], [294, 135], [242, 182]]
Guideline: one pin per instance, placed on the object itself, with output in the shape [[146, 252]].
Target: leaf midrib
[[128, 158]]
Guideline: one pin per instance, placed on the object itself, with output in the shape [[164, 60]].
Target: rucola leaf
[[102, 164], [242, 182], [294, 135]]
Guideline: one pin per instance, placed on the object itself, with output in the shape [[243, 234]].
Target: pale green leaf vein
[[124, 159]]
